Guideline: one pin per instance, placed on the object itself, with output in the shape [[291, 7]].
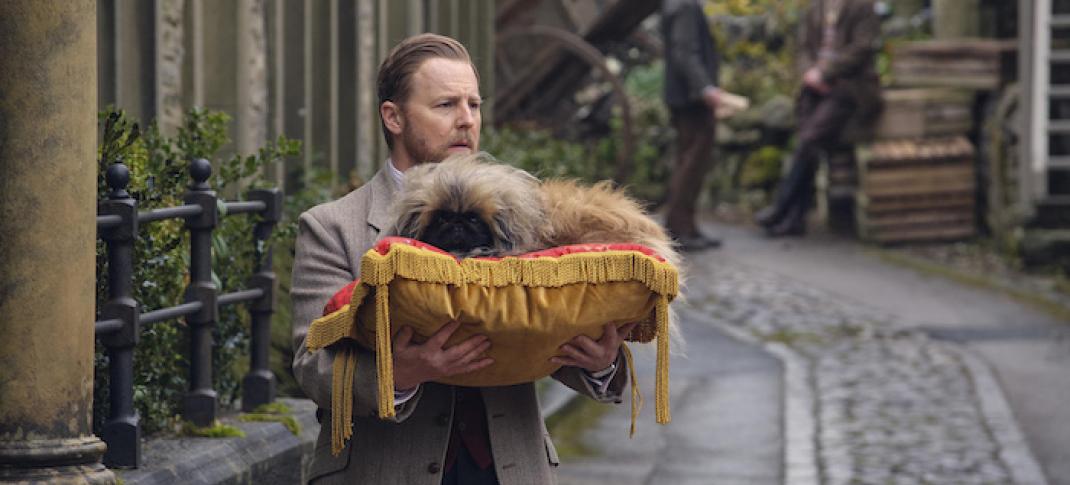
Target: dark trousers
[[465, 471], [694, 127], [822, 119]]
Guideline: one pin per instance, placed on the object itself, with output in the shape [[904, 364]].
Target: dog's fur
[[522, 213]]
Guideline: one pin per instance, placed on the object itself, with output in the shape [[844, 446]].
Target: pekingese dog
[[472, 205]]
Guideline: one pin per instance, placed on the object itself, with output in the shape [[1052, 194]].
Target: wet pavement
[[810, 361]]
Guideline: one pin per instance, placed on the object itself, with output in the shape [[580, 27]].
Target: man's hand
[[723, 103], [415, 364], [813, 79], [591, 355]]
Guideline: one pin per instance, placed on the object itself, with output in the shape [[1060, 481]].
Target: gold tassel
[[383, 354], [637, 397], [661, 385], [345, 364]]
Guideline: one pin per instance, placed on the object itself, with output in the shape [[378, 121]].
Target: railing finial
[[200, 169], [118, 177]]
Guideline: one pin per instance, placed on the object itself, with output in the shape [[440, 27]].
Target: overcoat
[[411, 447], [690, 54]]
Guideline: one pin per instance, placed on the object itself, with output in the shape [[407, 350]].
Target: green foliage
[[217, 430], [158, 177], [288, 421], [761, 169], [759, 64], [547, 154]]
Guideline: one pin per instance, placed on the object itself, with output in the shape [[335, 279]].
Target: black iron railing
[[120, 319]]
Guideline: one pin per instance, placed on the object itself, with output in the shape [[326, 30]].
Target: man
[[693, 98], [838, 44], [429, 107]]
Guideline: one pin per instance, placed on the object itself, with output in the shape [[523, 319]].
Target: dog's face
[[462, 233], [470, 205]]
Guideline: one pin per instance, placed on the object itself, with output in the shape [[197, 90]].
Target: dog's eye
[[473, 218]]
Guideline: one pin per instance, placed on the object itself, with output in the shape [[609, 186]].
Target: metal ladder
[[1045, 166]]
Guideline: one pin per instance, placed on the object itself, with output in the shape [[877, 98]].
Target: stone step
[[1052, 213], [1041, 247]]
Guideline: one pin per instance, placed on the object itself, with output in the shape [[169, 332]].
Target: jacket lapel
[[383, 192]]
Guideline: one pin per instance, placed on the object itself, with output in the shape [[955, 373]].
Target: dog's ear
[[408, 225], [506, 237]]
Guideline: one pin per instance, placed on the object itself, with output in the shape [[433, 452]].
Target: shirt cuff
[[601, 383], [402, 397]]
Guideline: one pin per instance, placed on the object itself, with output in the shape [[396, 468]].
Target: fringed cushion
[[527, 305]]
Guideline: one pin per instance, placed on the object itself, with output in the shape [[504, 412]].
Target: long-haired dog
[[472, 205]]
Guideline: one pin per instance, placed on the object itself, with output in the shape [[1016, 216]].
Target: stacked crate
[[917, 182], [916, 189]]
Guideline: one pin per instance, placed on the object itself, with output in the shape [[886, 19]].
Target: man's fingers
[[565, 361], [464, 348], [438, 340], [473, 352], [587, 345], [571, 352], [474, 366]]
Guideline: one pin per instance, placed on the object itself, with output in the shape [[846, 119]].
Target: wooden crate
[[916, 190], [968, 63], [922, 112]]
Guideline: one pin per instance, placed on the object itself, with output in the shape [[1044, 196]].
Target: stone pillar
[[48, 99], [170, 61], [252, 77]]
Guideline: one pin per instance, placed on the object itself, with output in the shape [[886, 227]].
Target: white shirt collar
[[396, 175]]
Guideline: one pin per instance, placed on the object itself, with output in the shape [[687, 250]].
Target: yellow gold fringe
[[637, 397], [383, 353], [591, 267], [661, 384]]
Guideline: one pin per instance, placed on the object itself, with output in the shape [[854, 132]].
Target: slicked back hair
[[395, 73]]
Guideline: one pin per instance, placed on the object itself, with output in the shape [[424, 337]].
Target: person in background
[[839, 40], [695, 102]]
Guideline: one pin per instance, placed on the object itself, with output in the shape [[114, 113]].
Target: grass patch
[[288, 421], [217, 430], [1023, 296], [571, 423], [275, 412], [272, 408]]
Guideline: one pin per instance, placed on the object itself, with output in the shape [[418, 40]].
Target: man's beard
[[422, 153]]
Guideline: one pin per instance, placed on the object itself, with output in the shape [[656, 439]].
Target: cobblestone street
[[865, 397]]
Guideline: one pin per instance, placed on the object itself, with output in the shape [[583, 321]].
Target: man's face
[[441, 115]]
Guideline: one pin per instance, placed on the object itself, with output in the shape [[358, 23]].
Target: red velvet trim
[[341, 298], [383, 247]]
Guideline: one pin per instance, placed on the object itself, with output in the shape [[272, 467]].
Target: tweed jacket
[[410, 448], [690, 54], [853, 73]]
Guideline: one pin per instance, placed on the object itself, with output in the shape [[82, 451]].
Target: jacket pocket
[[551, 452]]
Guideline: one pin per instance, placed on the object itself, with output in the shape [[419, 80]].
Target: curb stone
[[1014, 449], [800, 427]]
